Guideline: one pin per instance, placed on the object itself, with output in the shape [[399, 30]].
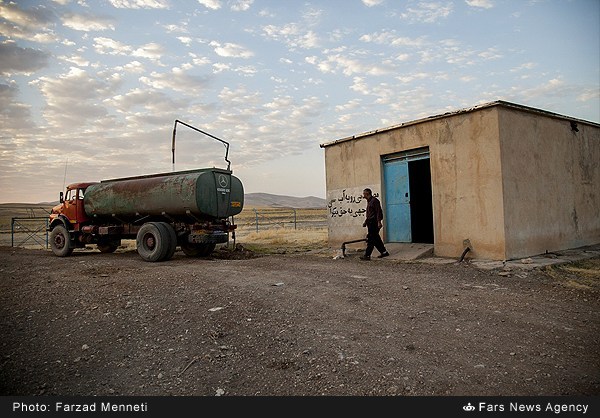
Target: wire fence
[[24, 226], [286, 218]]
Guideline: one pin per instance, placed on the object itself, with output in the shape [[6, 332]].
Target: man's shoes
[[384, 254], [365, 257]]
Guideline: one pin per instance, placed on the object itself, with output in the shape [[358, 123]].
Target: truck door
[[74, 209]]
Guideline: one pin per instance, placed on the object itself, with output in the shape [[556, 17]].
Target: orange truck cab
[[67, 217]]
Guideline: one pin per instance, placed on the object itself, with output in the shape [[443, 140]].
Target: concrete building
[[513, 180]]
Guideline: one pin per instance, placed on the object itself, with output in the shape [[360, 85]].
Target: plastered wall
[[551, 181]]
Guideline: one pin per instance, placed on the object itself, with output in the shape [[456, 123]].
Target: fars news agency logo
[[468, 407]]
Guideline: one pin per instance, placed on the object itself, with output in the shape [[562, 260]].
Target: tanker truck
[[190, 209]]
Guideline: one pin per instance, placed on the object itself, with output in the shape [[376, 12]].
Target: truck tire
[[152, 242], [60, 241], [170, 232], [108, 246], [197, 250]]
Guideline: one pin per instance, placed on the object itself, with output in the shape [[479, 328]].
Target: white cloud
[[178, 80], [179, 28], [231, 50], [186, 40], [296, 35], [553, 87], [349, 66], [109, 46], [241, 5], [73, 99], [490, 54], [75, 59], [277, 32], [352, 104], [246, 70], [590, 94], [152, 51], [87, 22], [308, 40], [140, 4], [199, 61], [408, 78], [132, 67], [484, 4], [266, 13], [391, 38], [219, 67], [153, 101], [238, 96], [359, 85], [427, 12], [525, 66], [210, 4], [371, 3], [288, 114]]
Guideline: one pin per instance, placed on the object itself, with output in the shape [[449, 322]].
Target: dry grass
[[9, 211], [284, 240], [582, 274], [276, 232], [273, 241]]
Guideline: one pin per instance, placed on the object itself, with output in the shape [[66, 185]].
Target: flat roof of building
[[456, 112]]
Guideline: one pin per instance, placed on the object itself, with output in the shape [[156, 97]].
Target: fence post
[[294, 218], [256, 217], [12, 232]]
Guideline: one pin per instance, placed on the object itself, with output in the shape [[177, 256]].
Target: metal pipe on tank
[[202, 132]]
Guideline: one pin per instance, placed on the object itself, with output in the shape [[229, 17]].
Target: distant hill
[[256, 200], [279, 201]]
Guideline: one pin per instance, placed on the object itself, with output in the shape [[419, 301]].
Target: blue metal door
[[397, 201]]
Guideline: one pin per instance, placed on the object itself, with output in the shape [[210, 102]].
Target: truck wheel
[[60, 241], [108, 246], [170, 232], [152, 242], [197, 250]]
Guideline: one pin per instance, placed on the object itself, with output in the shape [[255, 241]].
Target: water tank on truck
[[191, 209]]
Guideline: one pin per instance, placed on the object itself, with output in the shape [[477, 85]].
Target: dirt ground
[[239, 323]]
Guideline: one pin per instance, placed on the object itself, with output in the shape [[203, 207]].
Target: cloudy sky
[[90, 89]]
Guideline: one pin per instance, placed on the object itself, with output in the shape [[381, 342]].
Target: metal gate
[[29, 232]]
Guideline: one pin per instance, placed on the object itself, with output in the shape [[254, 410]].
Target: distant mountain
[[256, 200], [261, 200], [29, 205]]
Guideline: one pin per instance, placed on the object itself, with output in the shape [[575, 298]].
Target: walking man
[[374, 224]]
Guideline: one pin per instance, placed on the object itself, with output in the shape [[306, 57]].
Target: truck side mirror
[[61, 197]]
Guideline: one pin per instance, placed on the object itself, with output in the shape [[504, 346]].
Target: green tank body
[[210, 193]]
